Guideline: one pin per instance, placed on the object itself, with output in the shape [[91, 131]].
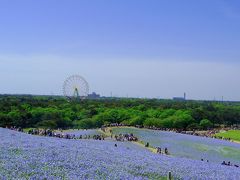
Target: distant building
[[94, 96], [180, 98]]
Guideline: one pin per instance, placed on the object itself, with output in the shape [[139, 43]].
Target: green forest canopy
[[57, 112]]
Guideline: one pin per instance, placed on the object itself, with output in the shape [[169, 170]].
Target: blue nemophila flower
[[24, 156]]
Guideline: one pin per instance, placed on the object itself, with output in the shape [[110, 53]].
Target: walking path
[[108, 133]]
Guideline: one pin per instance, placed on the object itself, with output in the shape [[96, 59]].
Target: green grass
[[27, 129], [232, 134]]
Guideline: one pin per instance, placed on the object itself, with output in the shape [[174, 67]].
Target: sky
[[134, 48]]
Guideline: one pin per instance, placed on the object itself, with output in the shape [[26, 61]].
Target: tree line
[[57, 112]]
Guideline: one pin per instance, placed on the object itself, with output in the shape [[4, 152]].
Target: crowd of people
[[126, 137], [51, 133], [14, 128], [58, 134], [99, 137]]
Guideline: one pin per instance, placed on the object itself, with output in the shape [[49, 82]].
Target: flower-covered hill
[[24, 156], [188, 146]]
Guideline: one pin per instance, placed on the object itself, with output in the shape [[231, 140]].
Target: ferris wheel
[[75, 87]]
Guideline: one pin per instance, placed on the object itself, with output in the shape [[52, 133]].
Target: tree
[[183, 120], [84, 124], [63, 123], [205, 123], [99, 120], [167, 113], [151, 122], [137, 120], [15, 117], [4, 120], [167, 122], [193, 126], [47, 124]]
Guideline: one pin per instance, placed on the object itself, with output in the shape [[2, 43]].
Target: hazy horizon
[[153, 49]]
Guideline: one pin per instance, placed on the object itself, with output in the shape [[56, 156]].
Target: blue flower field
[[187, 146], [24, 156]]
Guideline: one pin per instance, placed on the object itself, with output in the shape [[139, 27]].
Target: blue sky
[[139, 48]]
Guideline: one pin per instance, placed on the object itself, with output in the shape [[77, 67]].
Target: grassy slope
[[232, 134]]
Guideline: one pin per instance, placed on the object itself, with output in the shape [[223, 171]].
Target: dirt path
[[139, 143]]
